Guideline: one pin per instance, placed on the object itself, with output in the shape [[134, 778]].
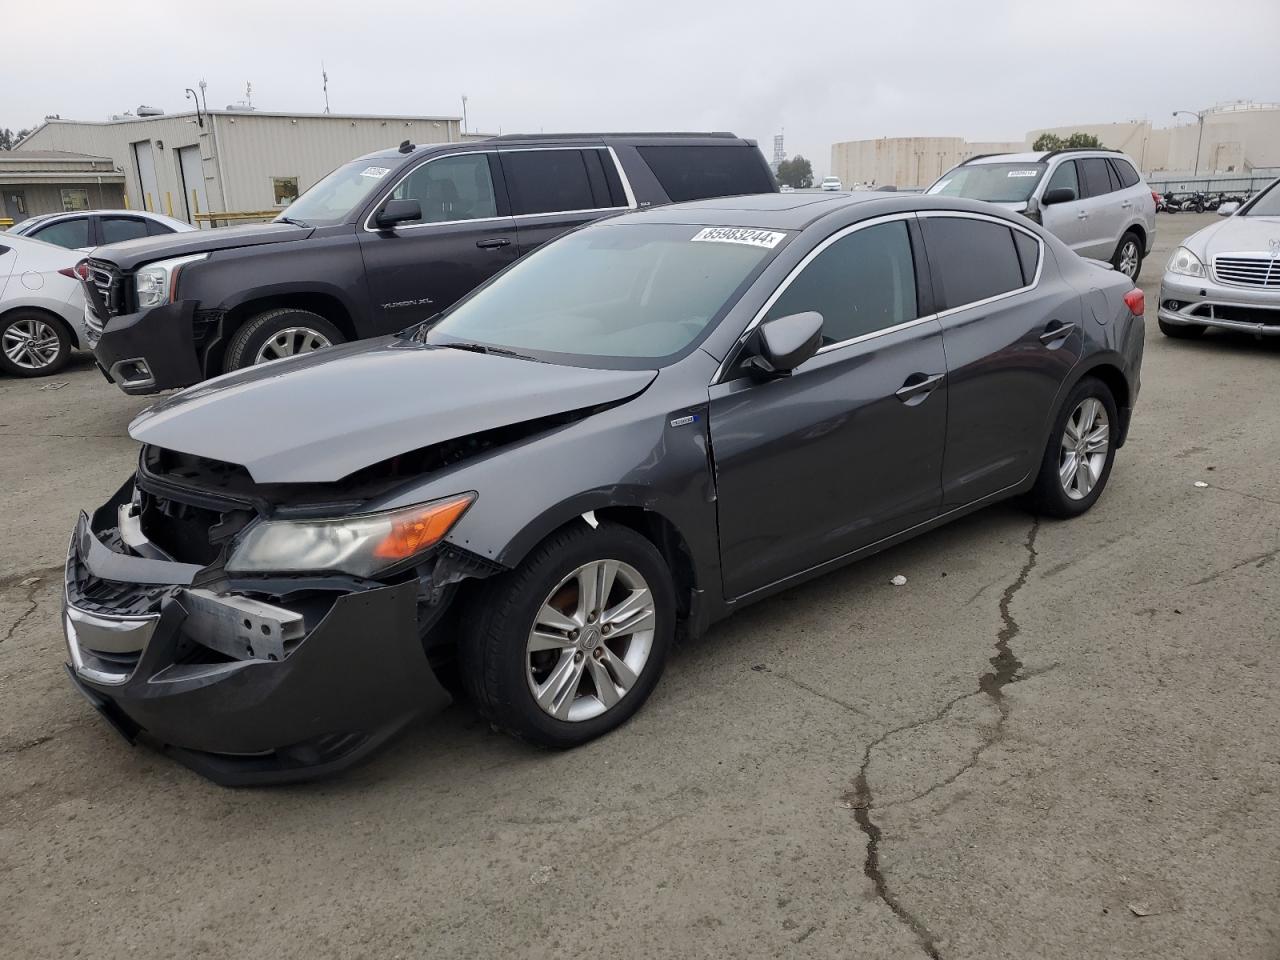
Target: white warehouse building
[[235, 160]]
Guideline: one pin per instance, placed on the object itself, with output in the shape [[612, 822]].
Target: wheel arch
[[1108, 369], [67, 328]]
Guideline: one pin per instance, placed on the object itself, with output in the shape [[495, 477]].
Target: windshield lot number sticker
[[377, 173], [752, 238], [1024, 173]]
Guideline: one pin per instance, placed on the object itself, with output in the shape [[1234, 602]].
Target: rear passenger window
[[547, 181], [1128, 176], [696, 173], [862, 283], [115, 229], [975, 259], [1028, 255], [1095, 176]]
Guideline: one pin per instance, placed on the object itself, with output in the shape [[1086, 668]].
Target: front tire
[[1179, 331], [280, 333], [33, 344], [1081, 450], [571, 643], [1128, 256]]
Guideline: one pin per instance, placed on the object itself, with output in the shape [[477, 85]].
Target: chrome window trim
[[795, 272], [965, 215], [626, 189]]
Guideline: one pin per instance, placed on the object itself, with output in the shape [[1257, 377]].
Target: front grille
[[1259, 271], [111, 597], [109, 285]]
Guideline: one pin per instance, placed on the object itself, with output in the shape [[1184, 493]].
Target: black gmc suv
[[380, 243]]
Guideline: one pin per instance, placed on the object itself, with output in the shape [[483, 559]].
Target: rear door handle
[[493, 244], [917, 388], [1057, 331]]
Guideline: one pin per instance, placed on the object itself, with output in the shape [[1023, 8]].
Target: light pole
[[1199, 139], [464, 113]]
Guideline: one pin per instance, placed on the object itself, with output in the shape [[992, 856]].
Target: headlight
[[362, 545], [157, 282], [1186, 263]]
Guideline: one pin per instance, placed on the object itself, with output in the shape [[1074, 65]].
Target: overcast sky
[[981, 69]]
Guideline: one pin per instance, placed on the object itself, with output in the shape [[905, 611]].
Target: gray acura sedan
[[636, 430]]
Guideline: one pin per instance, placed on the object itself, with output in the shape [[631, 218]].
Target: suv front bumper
[[336, 692], [151, 350], [1203, 302]]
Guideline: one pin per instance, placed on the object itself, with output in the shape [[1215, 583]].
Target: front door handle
[[917, 388], [493, 243], [1082, 215], [1056, 331]]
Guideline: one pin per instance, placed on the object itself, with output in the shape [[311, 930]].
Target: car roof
[[796, 211], [1029, 157], [605, 138]]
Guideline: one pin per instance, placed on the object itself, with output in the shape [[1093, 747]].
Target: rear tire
[[1128, 256], [1081, 450], [1179, 331], [279, 333], [33, 344], [510, 616]]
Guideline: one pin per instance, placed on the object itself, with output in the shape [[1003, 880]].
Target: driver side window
[[451, 188], [862, 283], [1065, 176]]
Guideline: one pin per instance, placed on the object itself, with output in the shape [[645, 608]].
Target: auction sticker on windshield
[[1024, 173], [752, 238], [377, 173]]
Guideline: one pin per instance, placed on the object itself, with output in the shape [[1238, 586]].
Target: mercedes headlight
[[1186, 264], [157, 282], [362, 545]]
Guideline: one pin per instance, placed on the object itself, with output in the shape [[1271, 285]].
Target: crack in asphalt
[[1261, 560], [1005, 670], [37, 578]]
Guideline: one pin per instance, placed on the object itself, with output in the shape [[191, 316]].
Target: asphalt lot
[[842, 771]]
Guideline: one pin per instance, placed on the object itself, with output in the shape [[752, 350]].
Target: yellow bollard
[[126, 202], [148, 205], [168, 203]]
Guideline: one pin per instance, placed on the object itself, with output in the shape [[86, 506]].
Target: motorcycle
[[1169, 203], [1194, 202]]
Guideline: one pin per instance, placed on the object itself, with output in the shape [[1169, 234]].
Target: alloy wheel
[[1129, 259], [1086, 441], [291, 341], [31, 344], [590, 640]]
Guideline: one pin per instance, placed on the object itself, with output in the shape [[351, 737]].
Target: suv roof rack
[[642, 133], [979, 156], [1054, 153]]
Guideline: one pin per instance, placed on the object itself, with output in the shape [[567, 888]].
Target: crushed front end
[[246, 678]]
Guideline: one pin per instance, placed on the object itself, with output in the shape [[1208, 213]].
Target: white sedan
[[41, 306], [86, 229]]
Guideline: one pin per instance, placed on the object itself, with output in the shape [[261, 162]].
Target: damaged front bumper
[[243, 689]]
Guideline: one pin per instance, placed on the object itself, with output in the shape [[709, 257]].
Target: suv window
[[1124, 169], [451, 188], [696, 173], [65, 233], [975, 259], [1093, 171], [1065, 176], [862, 283], [548, 181], [115, 229]]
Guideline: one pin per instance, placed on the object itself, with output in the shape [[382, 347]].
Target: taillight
[[70, 272], [82, 270], [1136, 301], [1155, 196]]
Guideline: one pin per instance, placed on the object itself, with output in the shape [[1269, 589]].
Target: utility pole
[[325, 76], [464, 113], [1200, 138]]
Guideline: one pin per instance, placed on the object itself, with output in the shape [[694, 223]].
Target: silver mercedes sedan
[[1227, 275]]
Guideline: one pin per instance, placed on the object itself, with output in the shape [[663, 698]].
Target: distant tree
[[9, 139], [1051, 141], [796, 172]]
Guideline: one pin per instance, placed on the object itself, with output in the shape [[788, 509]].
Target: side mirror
[[1057, 195], [397, 211], [786, 342], [1227, 209]]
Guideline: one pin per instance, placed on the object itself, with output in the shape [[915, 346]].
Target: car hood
[[320, 417], [1236, 235], [130, 254]]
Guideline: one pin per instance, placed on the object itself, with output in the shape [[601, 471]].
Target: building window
[[75, 198], [284, 190]]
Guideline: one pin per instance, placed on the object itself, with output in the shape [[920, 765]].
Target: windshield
[[334, 198], [1267, 204], [639, 291], [993, 182]]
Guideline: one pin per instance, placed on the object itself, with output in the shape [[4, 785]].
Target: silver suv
[[1095, 201]]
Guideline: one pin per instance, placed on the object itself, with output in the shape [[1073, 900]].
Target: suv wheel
[[1081, 450], [570, 644], [33, 344], [277, 334], [1128, 256]]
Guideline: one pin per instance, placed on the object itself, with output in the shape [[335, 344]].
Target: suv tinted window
[[65, 233], [1093, 173], [975, 259], [115, 229], [862, 283], [548, 181], [696, 173], [1124, 169], [451, 188], [1065, 176]]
